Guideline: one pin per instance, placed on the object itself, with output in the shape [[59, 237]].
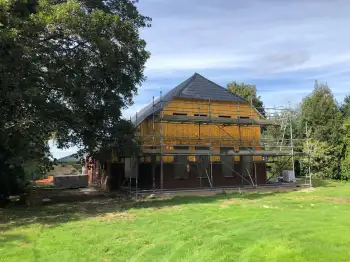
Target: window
[[180, 147], [179, 114], [244, 117], [225, 116], [202, 147], [200, 115]]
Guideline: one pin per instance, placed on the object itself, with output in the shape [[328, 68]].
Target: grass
[[294, 226]]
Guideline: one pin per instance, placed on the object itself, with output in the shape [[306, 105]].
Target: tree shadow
[[317, 182], [55, 214], [9, 240]]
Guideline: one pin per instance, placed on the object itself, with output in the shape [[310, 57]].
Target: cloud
[[231, 32], [132, 110], [281, 60], [281, 46]]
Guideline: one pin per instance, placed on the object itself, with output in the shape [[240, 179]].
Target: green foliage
[[346, 158], [323, 160], [247, 92], [345, 108], [67, 68], [321, 113], [77, 166], [324, 119]]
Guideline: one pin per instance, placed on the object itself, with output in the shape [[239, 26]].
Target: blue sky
[[280, 46]]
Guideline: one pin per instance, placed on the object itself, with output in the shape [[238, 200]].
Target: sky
[[278, 45]]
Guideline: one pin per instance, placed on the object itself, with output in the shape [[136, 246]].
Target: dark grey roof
[[195, 87], [69, 159]]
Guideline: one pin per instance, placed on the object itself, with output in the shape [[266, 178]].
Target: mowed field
[[306, 225]]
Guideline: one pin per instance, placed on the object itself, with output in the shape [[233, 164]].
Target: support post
[[291, 137], [153, 166], [130, 180], [239, 126], [153, 117], [137, 158], [153, 158], [235, 172], [161, 141], [251, 179], [255, 174], [137, 175], [309, 155], [210, 149]]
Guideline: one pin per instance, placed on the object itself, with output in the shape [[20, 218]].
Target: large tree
[[346, 156], [321, 112], [345, 107], [68, 68], [324, 119], [247, 92]]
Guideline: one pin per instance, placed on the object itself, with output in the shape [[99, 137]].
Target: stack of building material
[[67, 181], [288, 176]]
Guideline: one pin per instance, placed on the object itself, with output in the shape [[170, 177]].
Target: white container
[[288, 176]]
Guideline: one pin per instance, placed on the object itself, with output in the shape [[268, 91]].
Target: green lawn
[[295, 226]]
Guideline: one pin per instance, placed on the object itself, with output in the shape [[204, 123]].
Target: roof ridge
[[186, 85], [221, 87]]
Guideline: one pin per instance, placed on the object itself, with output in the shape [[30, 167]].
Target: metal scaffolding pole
[[255, 175], [130, 179], [251, 179], [199, 134], [137, 165], [152, 158], [249, 182], [210, 148], [161, 141], [137, 175], [291, 137], [309, 155]]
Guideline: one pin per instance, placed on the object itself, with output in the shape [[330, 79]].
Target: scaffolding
[[282, 148]]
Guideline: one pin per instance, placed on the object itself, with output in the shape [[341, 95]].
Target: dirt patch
[[330, 199], [338, 199], [167, 208], [230, 201], [117, 216], [226, 203], [307, 189]]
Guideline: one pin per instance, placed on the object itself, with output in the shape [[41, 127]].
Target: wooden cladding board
[[199, 134]]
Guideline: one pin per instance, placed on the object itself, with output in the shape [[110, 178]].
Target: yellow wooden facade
[[194, 134]]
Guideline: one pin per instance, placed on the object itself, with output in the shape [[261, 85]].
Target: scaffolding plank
[[217, 120], [229, 153]]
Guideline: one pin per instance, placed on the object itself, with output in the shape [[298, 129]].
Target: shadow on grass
[[8, 240], [317, 182], [56, 214]]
